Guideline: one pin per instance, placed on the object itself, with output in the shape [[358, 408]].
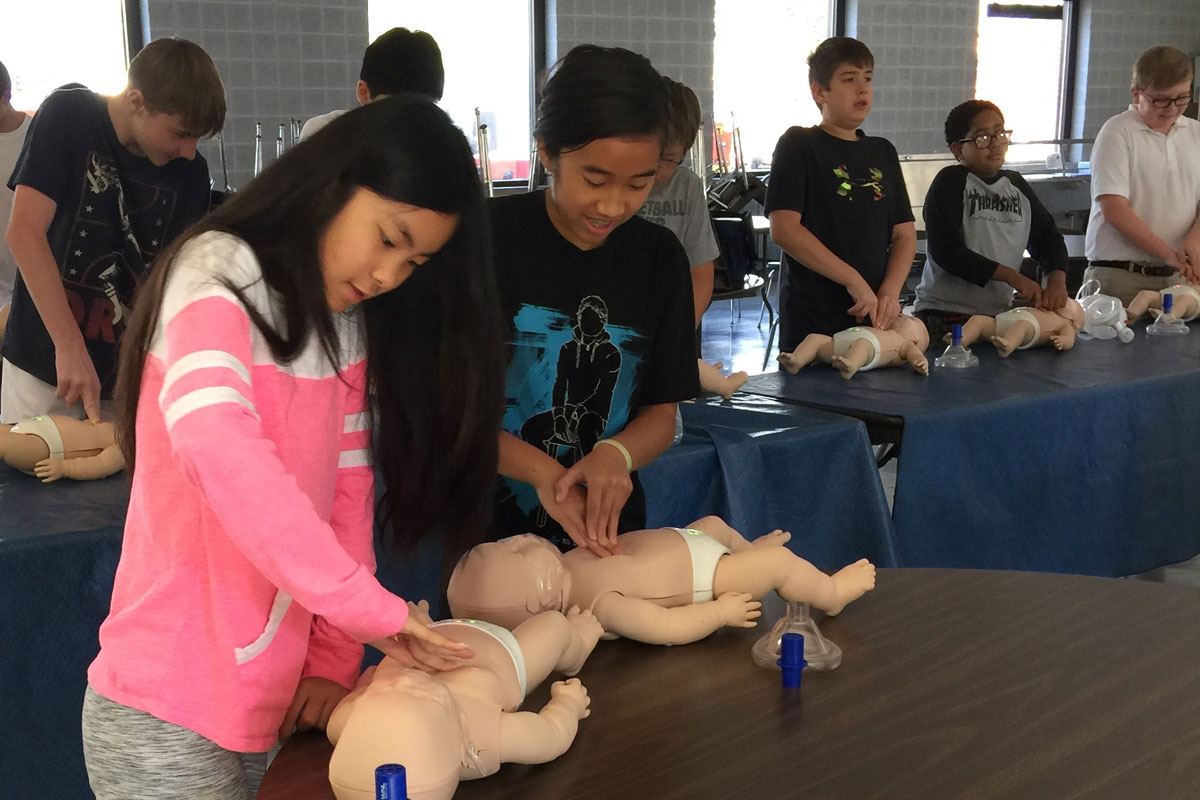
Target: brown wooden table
[[954, 684]]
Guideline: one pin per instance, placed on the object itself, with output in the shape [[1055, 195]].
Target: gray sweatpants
[[131, 755]]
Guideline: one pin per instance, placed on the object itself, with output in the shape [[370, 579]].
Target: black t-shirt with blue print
[[593, 336]]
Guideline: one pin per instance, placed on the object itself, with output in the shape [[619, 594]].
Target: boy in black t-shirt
[[102, 185], [838, 206]]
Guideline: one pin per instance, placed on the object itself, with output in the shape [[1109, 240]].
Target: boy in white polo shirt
[[1144, 230]]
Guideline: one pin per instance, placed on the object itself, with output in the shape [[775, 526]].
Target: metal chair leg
[[770, 342]]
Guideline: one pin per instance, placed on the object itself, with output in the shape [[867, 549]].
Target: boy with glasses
[[1144, 232], [979, 220]]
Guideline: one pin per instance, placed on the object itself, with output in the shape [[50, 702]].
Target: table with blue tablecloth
[[761, 465], [1082, 461], [59, 546]]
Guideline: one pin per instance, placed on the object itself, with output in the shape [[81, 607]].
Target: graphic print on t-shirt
[[104, 262], [846, 183], [573, 376], [993, 206]]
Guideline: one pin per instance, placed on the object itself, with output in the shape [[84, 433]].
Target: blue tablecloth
[[1081, 461], [59, 546], [765, 465]]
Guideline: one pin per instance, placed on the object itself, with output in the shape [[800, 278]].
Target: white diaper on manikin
[[1005, 321], [45, 429], [501, 635], [706, 552], [842, 340]]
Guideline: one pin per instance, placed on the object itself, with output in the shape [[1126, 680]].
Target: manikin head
[[912, 329], [413, 720], [508, 581], [1074, 313]]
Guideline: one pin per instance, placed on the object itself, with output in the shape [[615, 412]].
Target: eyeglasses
[[1167, 102], [985, 140]]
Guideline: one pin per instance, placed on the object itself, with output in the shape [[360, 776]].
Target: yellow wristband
[[624, 452]]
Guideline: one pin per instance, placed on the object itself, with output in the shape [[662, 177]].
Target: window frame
[[1069, 14]]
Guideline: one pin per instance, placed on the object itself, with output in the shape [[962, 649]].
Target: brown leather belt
[[1149, 270]]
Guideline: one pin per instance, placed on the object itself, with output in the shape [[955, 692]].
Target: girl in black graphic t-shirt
[[599, 308]]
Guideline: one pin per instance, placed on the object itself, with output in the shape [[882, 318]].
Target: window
[[1022, 70], [41, 53], [760, 78], [485, 50]]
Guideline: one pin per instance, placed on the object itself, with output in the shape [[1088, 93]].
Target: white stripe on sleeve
[[354, 458], [202, 398], [202, 359]]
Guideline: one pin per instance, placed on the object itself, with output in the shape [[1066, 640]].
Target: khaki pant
[[1124, 285]]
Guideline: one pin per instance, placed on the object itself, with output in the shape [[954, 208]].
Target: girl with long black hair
[[311, 328]]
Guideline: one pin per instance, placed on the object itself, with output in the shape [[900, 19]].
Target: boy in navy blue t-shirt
[[838, 206], [102, 185]]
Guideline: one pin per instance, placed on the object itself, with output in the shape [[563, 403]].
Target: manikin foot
[[845, 367], [852, 582], [733, 383], [587, 630], [791, 363], [1003, 347], [775, 538]]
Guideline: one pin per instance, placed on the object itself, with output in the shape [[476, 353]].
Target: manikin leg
[[815, 346], [552, 643], [1019, 333], [761, 569], [857, 357]]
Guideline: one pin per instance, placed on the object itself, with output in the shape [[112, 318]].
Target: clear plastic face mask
[[1104, 315]]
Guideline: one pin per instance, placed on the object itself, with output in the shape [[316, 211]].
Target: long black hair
[[597, 93], [434, 357]]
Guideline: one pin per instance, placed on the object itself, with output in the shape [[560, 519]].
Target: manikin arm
[[109, 462], [529, 738], [646, 621]]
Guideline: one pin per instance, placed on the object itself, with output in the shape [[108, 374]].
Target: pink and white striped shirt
[[247, 560]]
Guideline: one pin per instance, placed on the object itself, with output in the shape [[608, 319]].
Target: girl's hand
[[887, 308], [608, 484], [864, 298], [417, 646], [314, 701], [570, 513]]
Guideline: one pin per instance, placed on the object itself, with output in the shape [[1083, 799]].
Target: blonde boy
[[1144, 232]]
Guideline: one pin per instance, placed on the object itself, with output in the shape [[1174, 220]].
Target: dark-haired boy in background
[[838, 206], [398, 61]]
